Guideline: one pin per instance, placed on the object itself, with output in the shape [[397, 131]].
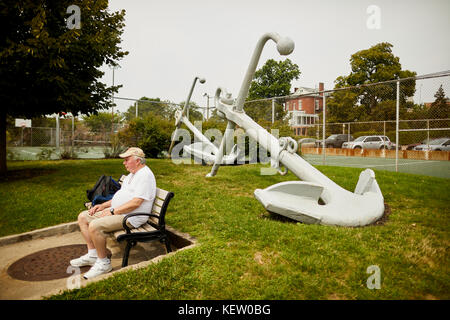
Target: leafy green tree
[[262, 110], [195, 113], [440, 108], [273, 79], [151, 133], [101, 121], [165, 109], [373, 65], [48, 65]]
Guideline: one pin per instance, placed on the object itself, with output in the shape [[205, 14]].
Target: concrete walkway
[[13, 248]]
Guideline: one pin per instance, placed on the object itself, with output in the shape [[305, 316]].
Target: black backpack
[[104, 186]]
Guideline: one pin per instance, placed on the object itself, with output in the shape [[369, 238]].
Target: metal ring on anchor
[[282, 173], [288, 144]]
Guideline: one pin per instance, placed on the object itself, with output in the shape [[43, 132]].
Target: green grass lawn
[[246, 252]]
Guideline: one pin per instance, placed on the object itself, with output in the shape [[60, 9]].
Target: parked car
[[413, 145], [439, 144], [334, 141], [307, 142], [369, 142]]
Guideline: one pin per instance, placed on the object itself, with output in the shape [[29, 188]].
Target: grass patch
[[245, 252]]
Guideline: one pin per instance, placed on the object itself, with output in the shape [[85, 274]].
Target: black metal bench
[[153, 229]]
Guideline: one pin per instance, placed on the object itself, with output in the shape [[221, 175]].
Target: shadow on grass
[[25, 173], [277, 217]]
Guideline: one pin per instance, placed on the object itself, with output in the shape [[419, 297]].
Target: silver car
[[306, 143], [439, 144], [369, 142]]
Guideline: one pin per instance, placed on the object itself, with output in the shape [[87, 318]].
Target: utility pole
[[112, 109], [207, 104]]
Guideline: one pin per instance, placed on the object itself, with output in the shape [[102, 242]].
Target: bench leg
[[167, 243], [126, 254]]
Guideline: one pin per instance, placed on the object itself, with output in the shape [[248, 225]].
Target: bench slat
[[160, 193], [158, 202], [144, 228], [156, 210]]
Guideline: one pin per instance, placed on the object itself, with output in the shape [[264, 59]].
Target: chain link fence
[[390, 122], [62, 138]]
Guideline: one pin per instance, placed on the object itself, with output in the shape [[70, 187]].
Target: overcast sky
[[172, 41]]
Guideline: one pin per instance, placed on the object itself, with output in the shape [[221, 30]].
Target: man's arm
[[100, 207], [123, 209], [128, 206]]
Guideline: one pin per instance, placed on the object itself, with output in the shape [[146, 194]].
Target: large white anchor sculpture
[[315, 199], [204, 149]]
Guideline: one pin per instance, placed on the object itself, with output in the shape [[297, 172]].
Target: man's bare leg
[[98, 242], [84, 228]]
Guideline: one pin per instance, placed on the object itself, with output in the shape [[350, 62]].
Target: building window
[[317, 104], [299, 104]]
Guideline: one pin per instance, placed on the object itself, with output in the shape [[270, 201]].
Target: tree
[[195, 113], [152, 133], [440, 108], [262, 110], [273, 79], [99, 122], [373, 65], [48, 65], [164, 109]]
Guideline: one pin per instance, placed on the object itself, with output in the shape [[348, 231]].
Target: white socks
[[92, 253], [105, 260]]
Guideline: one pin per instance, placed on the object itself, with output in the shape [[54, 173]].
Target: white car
[[306, 143], [439, 144], [369, 142]]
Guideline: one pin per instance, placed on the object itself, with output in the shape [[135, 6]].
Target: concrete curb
[[180, 240], [40, 233]]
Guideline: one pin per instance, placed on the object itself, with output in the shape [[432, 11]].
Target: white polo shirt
[[141, 184]]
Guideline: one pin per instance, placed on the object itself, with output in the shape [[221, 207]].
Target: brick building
[[303, 108]]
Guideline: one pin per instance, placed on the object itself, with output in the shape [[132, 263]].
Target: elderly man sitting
[[136, 195]]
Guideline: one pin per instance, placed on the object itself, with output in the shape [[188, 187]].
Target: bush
[[45, 154], [115, 149], [67, 153], [151, 133]]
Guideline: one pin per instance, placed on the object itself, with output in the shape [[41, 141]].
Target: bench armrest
[[129, 215]]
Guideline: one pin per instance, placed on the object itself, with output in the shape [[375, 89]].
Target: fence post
[[136, 108], [323, 129], [397, 112], [57, 133], [348, 132], [273, 110], [73, 136]]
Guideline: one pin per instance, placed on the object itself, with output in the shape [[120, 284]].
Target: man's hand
[[104, 213], [94, 209]]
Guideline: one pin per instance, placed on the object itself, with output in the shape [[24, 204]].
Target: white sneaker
[[82, 261], [98, 269]]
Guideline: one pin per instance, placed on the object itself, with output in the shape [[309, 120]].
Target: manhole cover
[[48, 264]]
